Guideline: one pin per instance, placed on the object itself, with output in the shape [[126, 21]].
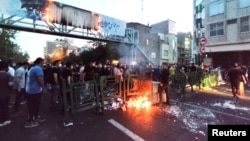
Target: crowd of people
[[24, 83], [28, 82]]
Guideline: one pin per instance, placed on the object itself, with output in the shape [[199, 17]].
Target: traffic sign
[[202, 41], [202, 49]]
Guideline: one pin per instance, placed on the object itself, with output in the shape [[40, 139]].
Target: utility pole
[[142, 11]]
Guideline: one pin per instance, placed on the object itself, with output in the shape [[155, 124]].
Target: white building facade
[[226, 26]]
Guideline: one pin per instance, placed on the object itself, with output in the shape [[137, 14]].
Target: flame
[[139, 102], [47, 17]]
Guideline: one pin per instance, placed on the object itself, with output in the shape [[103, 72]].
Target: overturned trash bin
[[143, 90]]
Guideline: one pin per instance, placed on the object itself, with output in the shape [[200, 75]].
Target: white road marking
[[125, 130]]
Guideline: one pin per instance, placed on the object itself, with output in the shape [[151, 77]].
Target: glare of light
[[133, 63], [115, 61]]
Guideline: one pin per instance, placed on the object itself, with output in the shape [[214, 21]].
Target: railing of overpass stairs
[[143, 52]]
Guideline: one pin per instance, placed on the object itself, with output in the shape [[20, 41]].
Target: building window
[[197, 2], [217, 29], [216, 7], [165, 53], [174, 55], [232, 21], [153, 55], [198, 9], [244, 24], [173, 43], [244, 3]]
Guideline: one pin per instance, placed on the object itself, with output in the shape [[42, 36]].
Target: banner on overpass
[[59, 13]]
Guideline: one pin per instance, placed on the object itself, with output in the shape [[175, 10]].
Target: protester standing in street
[[20, 86], [35, 87], [56, 83], [235, 77], [67, 81], [164, 82], [6, 83], [11, 69]]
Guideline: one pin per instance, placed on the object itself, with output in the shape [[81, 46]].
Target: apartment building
[[184, 46], [58, 46], [225, 24], [157, 43]]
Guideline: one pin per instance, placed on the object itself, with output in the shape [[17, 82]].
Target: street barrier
[[132, 85], [104, 90], [110, 89], [179, 82], [80, 96], [193, 79]]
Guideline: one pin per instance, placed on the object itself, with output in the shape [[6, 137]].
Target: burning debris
[[139, 102], [113, 104], [133, 102]]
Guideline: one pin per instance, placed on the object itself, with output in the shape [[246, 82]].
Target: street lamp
[[133, 64]]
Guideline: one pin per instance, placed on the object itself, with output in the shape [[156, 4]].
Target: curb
[[226, 91]]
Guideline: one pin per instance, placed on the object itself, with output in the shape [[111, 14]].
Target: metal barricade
[[137, 86], [195, 78], [132, 85], [79, 97], [110, 88], [179, 82]]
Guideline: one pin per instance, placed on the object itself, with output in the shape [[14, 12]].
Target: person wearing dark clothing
[[105, 70], [48, 76], [235, 77], [89, 72], [67, 81], [248, 74], [76, 72], [193, 68], [164, 82], [56, 83], [6, 82]]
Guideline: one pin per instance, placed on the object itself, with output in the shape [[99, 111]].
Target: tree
[[71, 58], [9, 50], [99, 54]]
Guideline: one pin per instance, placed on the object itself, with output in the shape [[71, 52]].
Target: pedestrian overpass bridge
[[54, 18]]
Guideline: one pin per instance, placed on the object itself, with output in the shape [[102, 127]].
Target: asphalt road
[[185, 120]]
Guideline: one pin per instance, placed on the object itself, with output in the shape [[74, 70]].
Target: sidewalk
[[225, 89]]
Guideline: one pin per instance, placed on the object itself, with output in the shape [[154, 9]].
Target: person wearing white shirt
[[11, 71], [20, 85]]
